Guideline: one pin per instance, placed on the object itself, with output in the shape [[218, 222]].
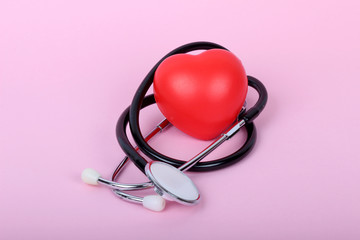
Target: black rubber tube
[[131, 114], [254, 111]]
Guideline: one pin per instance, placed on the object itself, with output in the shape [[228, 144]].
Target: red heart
[[201, 94]]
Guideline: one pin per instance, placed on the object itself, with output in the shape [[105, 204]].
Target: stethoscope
[[166, 174]]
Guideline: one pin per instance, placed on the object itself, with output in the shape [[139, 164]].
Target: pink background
[[69, 68]]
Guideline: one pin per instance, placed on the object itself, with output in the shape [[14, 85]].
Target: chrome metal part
[[225, 136], [128, 197], [125, 187]]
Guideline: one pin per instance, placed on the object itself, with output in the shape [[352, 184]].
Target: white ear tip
[[154, 203], [90, 176]]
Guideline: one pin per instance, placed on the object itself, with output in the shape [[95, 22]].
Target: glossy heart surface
[[201, 94]]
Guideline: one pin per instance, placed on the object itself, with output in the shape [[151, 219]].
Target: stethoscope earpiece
[[154, 202], [90, 176], [166, 174]]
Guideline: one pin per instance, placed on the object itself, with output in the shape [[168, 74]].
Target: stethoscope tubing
[[132, 153], [123, 121], [139, 101]]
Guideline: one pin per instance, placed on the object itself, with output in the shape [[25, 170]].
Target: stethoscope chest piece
[[171, 183]]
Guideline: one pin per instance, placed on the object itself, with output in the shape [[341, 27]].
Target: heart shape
[[201, 94]]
